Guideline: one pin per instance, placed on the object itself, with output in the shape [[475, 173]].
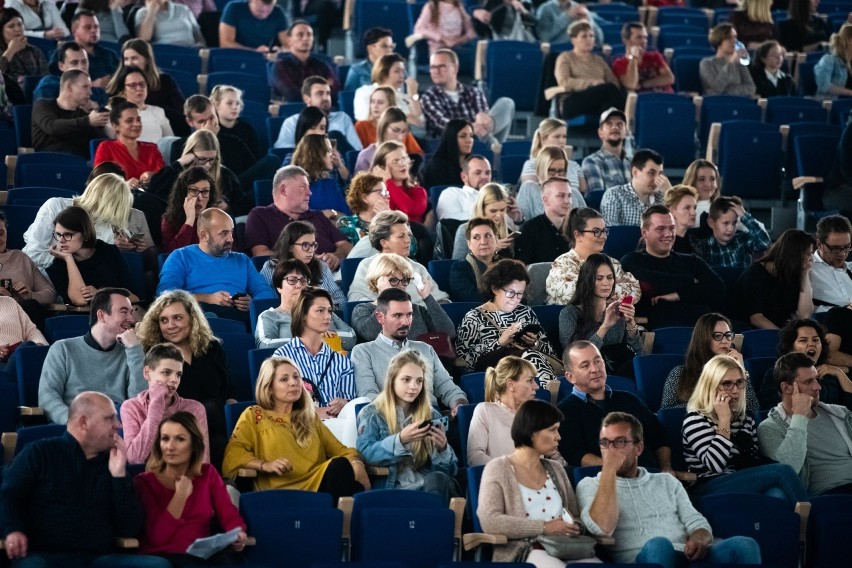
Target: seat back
[[8, 407], [784, 110], [756, 367], [621, 240], [474, 481], [18, 220], [537, 289], [651, 373], [77, 323], [457, 310], [254, 87], [30, 434], [22, 116], [256, 357], [465, 416], [760, 343], [34, 196], [347, 309], [236, 345], [397, 16], [258, 306], [439, 270], [187, 81], [548, 317], [473, 385], [687, 76], [221, 59], [673, 340], [677, 140], [829, 518], [743, 144], [233, 411], [505, 61], [30, 360], [672, 422], [726, 108], [348, 268]]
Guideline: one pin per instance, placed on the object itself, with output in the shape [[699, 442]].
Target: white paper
[[207, 547]]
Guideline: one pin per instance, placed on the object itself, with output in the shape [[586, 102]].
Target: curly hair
[[502, 273], [790, 332], [175, 215], [310, 155], [200, 334], [360, 186]]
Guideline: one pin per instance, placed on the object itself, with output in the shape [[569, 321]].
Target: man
[[624, 204], [107, 359], [448, 99], [163, 22], [541, 238], [70, 56], [292, 68], [316, 92], [222, 280], [609, 166], [831, 273], [87, 33], [590, 400], [65, 500], [291, 193], [458, 202], [649, 514], [638, 69], [677, 288], [812, 437], [554, 16], [394, 313], [260, 25], [66, 124], [377, 42]]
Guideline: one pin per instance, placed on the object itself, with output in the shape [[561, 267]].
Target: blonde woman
[[552, 161], [107, 200], [753, 21], [401, 431], [832, 70], [492, 202], [283, 439], [720, 439], [682, 201], [552, 132], [228, 101], [704, 176], [382, 98]]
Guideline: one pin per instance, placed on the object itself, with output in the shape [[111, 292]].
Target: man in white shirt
[[458, 202], [831, 273]]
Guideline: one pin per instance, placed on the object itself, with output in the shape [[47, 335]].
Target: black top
[[839, 322], [841, 171], [540, 241], [245, 132], [440, 171], [55, 129], [765, 88], [762, 293], [234, 153], [463, 286], [207, 378], [792, 38], [106, 267]]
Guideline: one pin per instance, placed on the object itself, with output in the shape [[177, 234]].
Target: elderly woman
[[367, 196], [389, 270], [586, 230], [274, 326], [466, 277], [552, 161], [21, 279], [284, 440], [524, 495], [392, 126], [132, 84], [389, 71], [832, 70], [682, 201], [503, 326], [492, 202], [552, 132], [139, 160], [389, 232], [192, 193], [723, 74]]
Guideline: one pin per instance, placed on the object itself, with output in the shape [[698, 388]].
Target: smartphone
[[443, 422], [237, 296], [627, 301], [529, 328], [7, 283], [424, 424], [137, 236]]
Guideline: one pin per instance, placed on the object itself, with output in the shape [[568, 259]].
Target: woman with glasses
[[326, 173], [289, 277], [553, 132], [192, 193], [391, 125], [139, 160], [132, 84], [466, 277], [298, 241], [492, 202], [720, 440], [503, 325], [445, 165], [682, 201], [367, 196], [587, 232], [552, 161], [393, 165]]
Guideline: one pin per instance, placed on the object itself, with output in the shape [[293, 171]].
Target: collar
[[90, 341], [585, 397], [777, 75], [397, 345], [818, 260]]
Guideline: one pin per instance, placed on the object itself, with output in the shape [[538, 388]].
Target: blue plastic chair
[[225, 325], [784, 110], [682, 16], [256, 357], [548, 317], [30, 360], [233, 411], [673, 340], [435, 194], [743, 144], [236, 346], [35, 196], [826, 535], [255, 114], [651, 372], [756, 367], [262, 189], [760, 343], [672, 421], [511, 167], [30, 434], [18, 220], [258, 306], [473, 385], [51, 169], [727, 108], [230, 60], [687, 76], [464, 417], [814, 155], [22, 116], [177, 58], [505, 62], [457, 310], [347, 272], [186, 81], [677, 140], [79, 324], [254, 87], [259, 261], [439, 270], [622, 239], [347, 309]]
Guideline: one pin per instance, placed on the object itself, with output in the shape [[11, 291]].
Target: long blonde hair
[[497, 378], [303, 417], [840, 41], [107, 200], [421, 410], [545, 128], [492, 193], [704, 395], [758, 10], [206, 141]]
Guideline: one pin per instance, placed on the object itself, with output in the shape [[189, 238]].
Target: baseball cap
[[605, 115]]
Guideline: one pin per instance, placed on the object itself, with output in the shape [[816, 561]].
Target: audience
[[139, 160], [132, 85], [551, 161], [769, 79], [110, 19], [389, 72], [86, 30], [167, 22], [260, 25], [625, 204], [682, 201], [839, 324], [804, 29], [69, 56], [611, 165], [367, 196], [393, 165], [723, 74], [41, 19], [728, 247], [457, 202], [299, 63], [24, 282], [19, 59], [466, 276], [552, 132], [640, 70], [704, 176], [445, 165], [838, 182], [541, 238], [554, 16]]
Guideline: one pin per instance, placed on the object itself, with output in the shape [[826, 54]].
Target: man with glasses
[[377, 42], [624, 204], [649, 514], [590, 400], [831, 273], [677, 288], [541, 239], [812, 437]]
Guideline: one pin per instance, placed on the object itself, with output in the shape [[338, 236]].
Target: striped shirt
[[337, 382], [707, 453]]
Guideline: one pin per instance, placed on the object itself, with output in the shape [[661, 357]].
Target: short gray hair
[[286, 173], [380, 226]]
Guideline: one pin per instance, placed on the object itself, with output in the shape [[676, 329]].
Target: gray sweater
[[273, 329], [79, 364], [649, 505], [425, 320]]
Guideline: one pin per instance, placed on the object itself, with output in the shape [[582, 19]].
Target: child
[[729, 247], [229, 104], [141, 415]]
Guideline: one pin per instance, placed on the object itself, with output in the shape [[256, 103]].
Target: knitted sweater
[[17, 266], [15, 325]]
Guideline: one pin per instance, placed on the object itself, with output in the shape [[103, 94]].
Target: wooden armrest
[[605, 540], [377, 471], [251, 541], [803, 509], [479, 62], [545, 47], [668, 53], [8, 441], [713, 141], [412, 39], [122, 542], [345, 504], [802, 181], [245, 472], [648, 342], [685, 476], [641, 320], [30, 411], [552, 92], [475, 540], [457, 505], [68, 308], [630, 110], [348, 14]]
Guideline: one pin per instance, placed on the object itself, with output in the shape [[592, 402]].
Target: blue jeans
[[777, 479], [73, 560], [734, 550]]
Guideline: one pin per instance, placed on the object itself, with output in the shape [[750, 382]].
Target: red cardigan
[[412, 201], [150, 159]]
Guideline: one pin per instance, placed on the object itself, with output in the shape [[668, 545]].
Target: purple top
[[265, 224]]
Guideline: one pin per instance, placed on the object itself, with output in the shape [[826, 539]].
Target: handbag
[[567, 547], [617, 357], [440, 342]]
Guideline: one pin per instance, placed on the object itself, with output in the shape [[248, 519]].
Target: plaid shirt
[[621, 205], [439, 108], [604, 170], [740, 251]]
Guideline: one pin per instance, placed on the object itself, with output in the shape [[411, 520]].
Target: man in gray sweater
[[108, 359], [370, 360], [649, 514]]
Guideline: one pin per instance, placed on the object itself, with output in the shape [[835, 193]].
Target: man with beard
[[223, 281], [316, 92], [812, 437], [458, 202], [370, 360], [649, 514], [609, 166], [107, 359]]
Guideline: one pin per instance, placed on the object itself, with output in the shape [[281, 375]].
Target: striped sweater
[[707, 453]]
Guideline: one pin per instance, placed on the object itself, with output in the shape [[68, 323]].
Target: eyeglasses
[[837, 249], [389, 46], [293, 280], [719, 336], [401, 162], [439, 67], [307, 247], [512, 293], [618, 443], [140, 85], [62, 237], [394, 281], [598, 233], [195, 192], [203, 161], [553, 172], [383, 192], [729, 385]]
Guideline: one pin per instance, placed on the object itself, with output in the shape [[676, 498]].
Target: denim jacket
[[829, 70], [381, 448]]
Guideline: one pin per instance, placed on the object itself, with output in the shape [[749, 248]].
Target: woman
[[466, 277], [720, 440], [682, 201], [389, 71], [284, 440], [326, 172], [444, 24], [18, 59], [704, 176], [599, 315], [107, 200], [503, 326], [753, 21], [723, 74], [166, 23], [298, 240], [832, 70], [312, 120], [586, 230], [17, 330], [393, 165], [445, 166], [367, 196], [110, 18], [26, 284], [289, 277], [589, 84], [381, 99], [769, 79], [401, 431], [778, 286], [41, 19], [524, 495], [139, 160], [391, 125], [192, 193], [228, 101], [181, 495], [492, 202], [552, 132], [552, 161], [711, 336], [132, 85], [804, 30], [84, 263], [389, 270]]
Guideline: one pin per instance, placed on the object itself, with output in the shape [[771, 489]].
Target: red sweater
[[412, 201], [150, 159], [183, 237]]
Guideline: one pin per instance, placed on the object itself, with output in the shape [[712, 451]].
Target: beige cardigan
[[501, 508]]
